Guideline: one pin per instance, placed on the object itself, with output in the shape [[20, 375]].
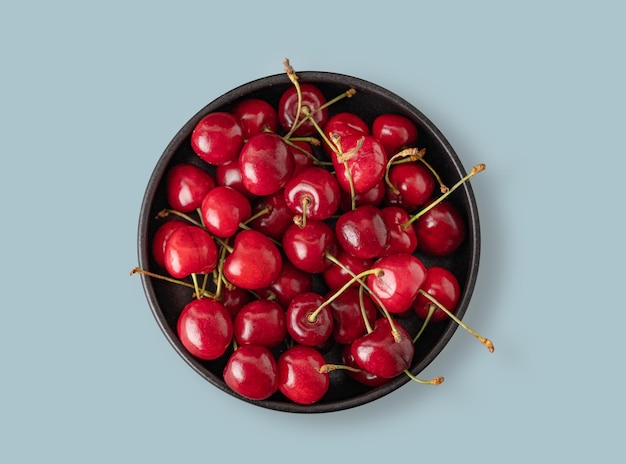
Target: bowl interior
[[166, 300]]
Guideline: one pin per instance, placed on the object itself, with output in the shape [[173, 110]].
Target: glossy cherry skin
[[312, 99], [348, 320], [361, 376], [229, 175], [303, 155], [318, 188], [276, 220], [374, 196], [336, 276], [189, 250], [442, 285], [260, 322], [380, 354], [290, 283], [234, 298], [255, 115], [395, 132], [252, 372], [223, 209], [255, 261], [362, 232], [401, 239], [340, 125], [414, 185], [441, 230], [366, 163], [217, 138], [306, 247], [266, 163], [300, 328], [186, 186], [403, 276], [299, 375], [205, 328], [160, 238]]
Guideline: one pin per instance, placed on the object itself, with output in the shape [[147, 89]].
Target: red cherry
[[341, 125], [397, 288], [312, 99], [366, 163], [234, 298], [223, 209], [276, 220], [160, 238], [380, 353], [306, 247], [217, 138], [313, 192], [348, 317], [401, 239], [361, 376], [362, 232], [205, 328], [252, 372], [190, 250], [373, 196], [290, 283], [260, 322], [301, 377], [266, 163], [335, 276], [302, 155], [229, 175], [395, 132], [254, 262], [442, 285], [305, 324], [255, 115], [413, 184], [441, 230], [186, 186]]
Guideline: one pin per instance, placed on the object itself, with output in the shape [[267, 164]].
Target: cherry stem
[[194, 278], [137, 270], [435, 381], [309, 155], [366, 321], [300, 219], [220, 273], [293, 77], [257, 215], [308, 114], [481, 339], [475, 170], [319, 130], [431, 310], [166, 212], [406, 155], [326, 368], [376, 271]]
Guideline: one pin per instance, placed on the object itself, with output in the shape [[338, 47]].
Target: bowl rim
[[361, 85]]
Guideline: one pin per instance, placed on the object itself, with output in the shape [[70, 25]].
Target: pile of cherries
[[297, 232]]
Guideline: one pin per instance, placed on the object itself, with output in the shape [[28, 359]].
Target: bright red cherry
[[380, 353], [301, 375], [442, 285], [305, 324], [276, 219], [312, 100], [290, 283], [413, 184], [252, 372], [373, 196], [348, 317], [255, 115], [336, 276], [260, 322], [205, 328], [366, 163], [190, 250], [401, 239], [254, 262], [266, 163], [361, 375], [217, 138], [441, 230], [395, 132], [362, 232], [223, 209], [160, 238], [186, 186], [229, 175], [306, 247], [341, 125], [313, 192]]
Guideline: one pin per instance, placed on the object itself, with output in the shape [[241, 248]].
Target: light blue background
[[90, 95]]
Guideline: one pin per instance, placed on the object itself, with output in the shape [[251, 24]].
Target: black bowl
[[166, 299]]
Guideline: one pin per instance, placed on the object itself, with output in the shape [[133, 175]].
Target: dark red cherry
[[348, 317], [252, 371], [397, 288], [260, 322], [234, 298], [336, 276], [366, 163], [301, 377], [290, 283], [303, 155], [190, 250], [160, 239], [205, 328], [341, 125], [413, 184], [254, 262], [229, 175], [223, 209], [441, 230], [361, 376], [305, 324], [276, 220], [186, 186], [306, 247], [442, 285], [401, 239], [312, 100], [314, 192], [217, 138], [362, 232], [395, 132], [380, 353], [373, 196], [266, 163], [255, 115]]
